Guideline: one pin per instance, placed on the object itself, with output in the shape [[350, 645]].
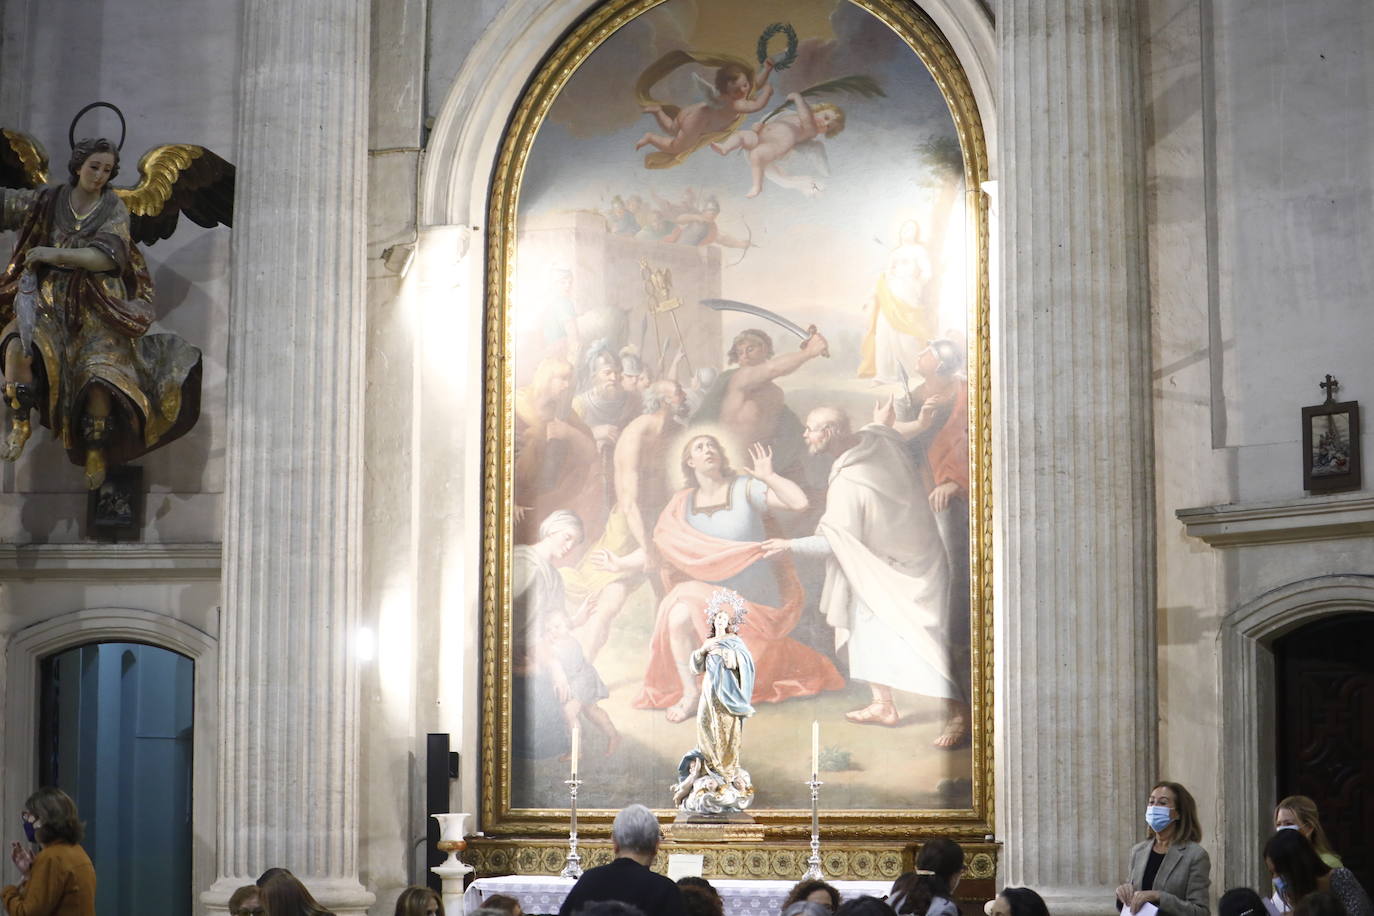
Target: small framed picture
[[1331, 446], [114, 510]]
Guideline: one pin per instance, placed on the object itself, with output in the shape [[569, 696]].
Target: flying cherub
[[734, 92], [786, 145], [771, 141]]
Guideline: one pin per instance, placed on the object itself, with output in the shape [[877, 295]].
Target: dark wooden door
[[1326, 730]]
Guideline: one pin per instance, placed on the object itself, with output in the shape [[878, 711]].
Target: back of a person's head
[[806, 908], [416, 900], [1320, 903], [697, 881], [1241, 901], [701, 901], [503, 904], [940, 856], [635, 829], [56, 815], [610, 908], [864, 906], [271, 873], [938, 864], [241, 896], [283, 895], [1024, 902], [802, 891]]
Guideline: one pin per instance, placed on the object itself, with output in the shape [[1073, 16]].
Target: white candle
[[815, 747], [576, 746]]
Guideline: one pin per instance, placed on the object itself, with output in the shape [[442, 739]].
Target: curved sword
[[732, 305]]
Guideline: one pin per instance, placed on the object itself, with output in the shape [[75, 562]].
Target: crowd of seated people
[[1169, 870]]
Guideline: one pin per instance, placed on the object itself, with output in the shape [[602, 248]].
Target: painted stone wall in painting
[[797, 157]]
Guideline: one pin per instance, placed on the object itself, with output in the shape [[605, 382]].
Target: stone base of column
[[341, 897], [1078, 901]]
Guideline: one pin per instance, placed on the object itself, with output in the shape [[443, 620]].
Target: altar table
[[545, 893]]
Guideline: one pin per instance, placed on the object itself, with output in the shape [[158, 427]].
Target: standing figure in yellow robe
[[900, 324]]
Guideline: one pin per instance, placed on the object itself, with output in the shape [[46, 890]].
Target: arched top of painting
[[688, 85]]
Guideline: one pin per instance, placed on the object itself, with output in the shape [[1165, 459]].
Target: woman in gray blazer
[[1170, 869]]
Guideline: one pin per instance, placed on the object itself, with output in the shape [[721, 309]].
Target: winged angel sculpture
[[76, 297]]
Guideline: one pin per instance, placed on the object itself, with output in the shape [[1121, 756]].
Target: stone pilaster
[[1076, 729], [288, 720]]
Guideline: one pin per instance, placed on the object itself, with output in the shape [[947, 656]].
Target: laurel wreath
[[789, 56]]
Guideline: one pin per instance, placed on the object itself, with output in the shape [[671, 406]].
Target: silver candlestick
[[572, 868], [813, 862]]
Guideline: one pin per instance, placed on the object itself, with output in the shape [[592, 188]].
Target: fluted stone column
[[1077, 734], [289, 707]]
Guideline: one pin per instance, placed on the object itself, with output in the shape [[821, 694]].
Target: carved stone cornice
[[20, 562], [1282, 521]]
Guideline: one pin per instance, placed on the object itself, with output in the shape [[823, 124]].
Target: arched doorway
[[115, 731], [1324, 681]]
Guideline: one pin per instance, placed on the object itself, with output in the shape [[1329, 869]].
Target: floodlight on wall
[[398, 258]]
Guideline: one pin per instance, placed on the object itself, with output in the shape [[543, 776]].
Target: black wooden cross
[[1329, 386]]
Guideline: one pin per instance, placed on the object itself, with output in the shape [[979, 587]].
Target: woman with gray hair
[[635, 836]]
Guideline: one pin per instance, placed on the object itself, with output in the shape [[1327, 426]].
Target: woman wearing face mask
[[1298, 812], [1298, 872], [59, 880], [1170, 869]]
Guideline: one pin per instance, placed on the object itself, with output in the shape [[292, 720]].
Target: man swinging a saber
[[746, 400]]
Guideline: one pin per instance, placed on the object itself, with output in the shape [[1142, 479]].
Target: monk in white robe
[[886, 587]]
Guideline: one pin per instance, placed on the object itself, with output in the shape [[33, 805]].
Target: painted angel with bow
[[76, 297]]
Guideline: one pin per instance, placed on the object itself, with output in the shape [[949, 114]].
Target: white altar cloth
[[545, 893]]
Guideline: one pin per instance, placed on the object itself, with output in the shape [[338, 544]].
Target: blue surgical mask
[[28, 831], [1280, 885], [1158, 817], [1290, 827]]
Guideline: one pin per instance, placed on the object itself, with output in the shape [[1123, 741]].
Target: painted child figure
[[576, 684], [543, 643], [726, 100], [774, 138]]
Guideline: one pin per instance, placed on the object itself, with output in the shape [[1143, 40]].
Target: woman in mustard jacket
[[60, 880]]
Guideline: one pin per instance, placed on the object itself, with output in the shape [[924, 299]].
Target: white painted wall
[[1260, 140]]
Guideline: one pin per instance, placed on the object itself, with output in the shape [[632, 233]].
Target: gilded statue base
[[735, 827]]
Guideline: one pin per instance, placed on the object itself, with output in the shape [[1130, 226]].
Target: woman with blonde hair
[[1298, 812], [60, 879]]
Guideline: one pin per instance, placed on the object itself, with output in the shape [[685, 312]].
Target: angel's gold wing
[[23, 161], [178, 178]]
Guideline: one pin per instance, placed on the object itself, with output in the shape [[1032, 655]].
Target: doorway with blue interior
[[115, 727]]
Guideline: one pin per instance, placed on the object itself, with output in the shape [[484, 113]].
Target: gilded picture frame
[[504, 811]]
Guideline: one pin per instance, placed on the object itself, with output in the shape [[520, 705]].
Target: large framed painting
[[737, 339]]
